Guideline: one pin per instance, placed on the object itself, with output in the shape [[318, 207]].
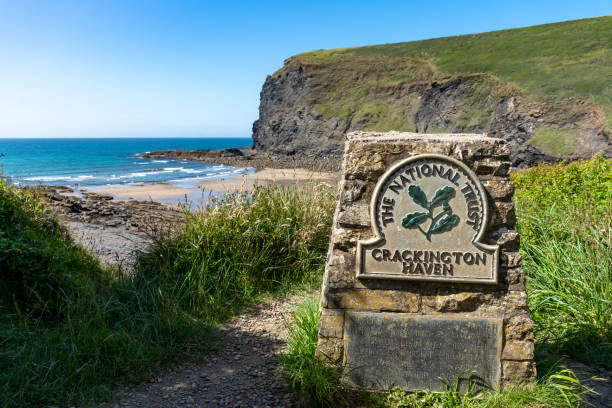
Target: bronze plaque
[[429, 213], [415, 351]]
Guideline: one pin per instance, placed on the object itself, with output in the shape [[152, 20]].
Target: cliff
[[545, 89]]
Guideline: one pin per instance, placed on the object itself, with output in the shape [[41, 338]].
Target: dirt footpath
[[244, 374]]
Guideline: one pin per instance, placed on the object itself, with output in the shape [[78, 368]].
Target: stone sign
[[429, 213], [413, 351], [423, 278]]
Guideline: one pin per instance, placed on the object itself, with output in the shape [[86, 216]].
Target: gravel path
[[244, 374]]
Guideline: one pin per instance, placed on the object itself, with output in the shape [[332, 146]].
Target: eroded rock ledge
[[247, 157]]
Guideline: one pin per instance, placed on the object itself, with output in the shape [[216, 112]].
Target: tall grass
[[564, 216], [316, 381], [244, 247]]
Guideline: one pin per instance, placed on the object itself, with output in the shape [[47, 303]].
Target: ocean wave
[[59, 178], [192, 171], [160, 161]]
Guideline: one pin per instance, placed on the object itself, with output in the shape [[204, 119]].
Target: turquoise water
[[98, 162]]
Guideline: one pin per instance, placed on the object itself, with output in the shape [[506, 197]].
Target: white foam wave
[[59, 178]]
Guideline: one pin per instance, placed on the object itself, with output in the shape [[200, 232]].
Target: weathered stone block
[[459, 302], [356, 215], [329, 349], [499, 189], [518, 372], [331, 323], [510, 259], [380, 300], [518, 350], [516, 279], [508, 240], [492, 167], [367, 167], [518, 327], [352, 190], [503, 215]]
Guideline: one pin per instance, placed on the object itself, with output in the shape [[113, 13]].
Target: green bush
[[243, 247], [39, 264], [570, 198], [564, 217]]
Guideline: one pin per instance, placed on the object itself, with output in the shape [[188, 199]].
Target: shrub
[[564, 217], [243, 247], [39, 264], [71, 330]]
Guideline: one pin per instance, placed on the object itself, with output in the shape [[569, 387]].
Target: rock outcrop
[[307, 107]]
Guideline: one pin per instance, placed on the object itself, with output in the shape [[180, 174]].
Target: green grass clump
[[564, 217], [242, 248], [554, 141], [39, 265], [316, 381], [71, 330], [555, 390]]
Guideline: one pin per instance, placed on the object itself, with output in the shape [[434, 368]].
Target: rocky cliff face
[[310, 104]]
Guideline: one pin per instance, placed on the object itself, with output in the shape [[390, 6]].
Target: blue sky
[[186, 68]]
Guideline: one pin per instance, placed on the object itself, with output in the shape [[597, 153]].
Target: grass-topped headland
[[545, 87]]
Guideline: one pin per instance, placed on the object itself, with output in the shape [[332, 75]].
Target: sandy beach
[[246, 182], [268, 177]]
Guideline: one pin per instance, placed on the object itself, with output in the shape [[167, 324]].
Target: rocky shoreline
[[113, 230], [247, 157]]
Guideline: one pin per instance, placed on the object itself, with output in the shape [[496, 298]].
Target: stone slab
[[415, 351]]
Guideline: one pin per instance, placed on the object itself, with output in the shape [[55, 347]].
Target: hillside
[[547, 89]]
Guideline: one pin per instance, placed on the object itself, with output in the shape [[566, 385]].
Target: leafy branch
[[443, 221]]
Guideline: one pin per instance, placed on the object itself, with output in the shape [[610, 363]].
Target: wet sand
[[145, 191], [265, 177]]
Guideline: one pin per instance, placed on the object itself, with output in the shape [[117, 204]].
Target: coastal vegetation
[[564, 217], [551, 61], [72, 330], [243, 247]]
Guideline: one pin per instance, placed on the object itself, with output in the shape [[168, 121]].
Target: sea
[[80, 163]]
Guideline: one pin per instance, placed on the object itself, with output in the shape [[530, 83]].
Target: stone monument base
[[423, 278]]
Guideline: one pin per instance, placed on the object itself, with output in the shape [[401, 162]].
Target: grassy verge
[[317, 382], [71, 331], [564, 217]]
